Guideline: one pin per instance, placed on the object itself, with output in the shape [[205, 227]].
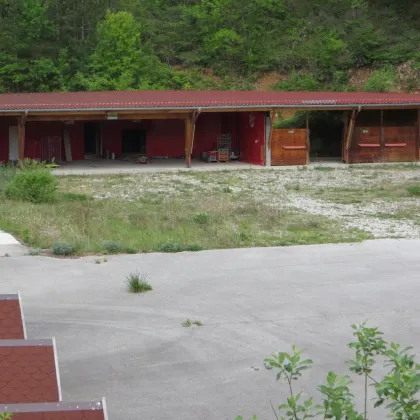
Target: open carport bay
[[252, 302]]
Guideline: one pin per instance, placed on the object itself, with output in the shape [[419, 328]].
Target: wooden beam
[[382, 135], [308, 143], [270, 139], [350, 134], [21, 137], [103, 117], [194, 121], [346, 121], [188, 140], [418, 136]]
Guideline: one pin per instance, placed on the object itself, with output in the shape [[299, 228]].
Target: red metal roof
[[195, 99]]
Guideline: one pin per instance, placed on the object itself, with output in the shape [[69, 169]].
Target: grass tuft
[[188, 323], [137, 283], [175, 247], [414, 190], [68, 196], [201, 218]]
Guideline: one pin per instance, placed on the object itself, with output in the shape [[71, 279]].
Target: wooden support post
[[270, 139], [418, 136], [382, 136], [188, 140], [350, 134], [21, 137], [345, 129], [194, 121], [308, 143]]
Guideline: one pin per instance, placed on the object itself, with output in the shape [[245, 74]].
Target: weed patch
[[62, 249], [137, 283], [188, 323], [201, 218], [74, 197], [174, 247], [112, 247], [414, 190]]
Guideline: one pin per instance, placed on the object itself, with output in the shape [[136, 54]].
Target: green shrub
[[298, 82], [137, 283], [62, 248], [112, 247], [34, 252], [35, 186], [383, 80], [414, 190], [201, 218], [173, 247], [7, 173], [193, 248], [130, 250]]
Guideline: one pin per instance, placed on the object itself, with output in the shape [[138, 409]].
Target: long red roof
[[133, 100]]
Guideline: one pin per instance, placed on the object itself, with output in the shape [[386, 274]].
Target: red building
[[183, 124]]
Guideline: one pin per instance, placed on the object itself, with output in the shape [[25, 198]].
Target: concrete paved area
[[9, 246], [120, 167], [116, 167], [252, 302]]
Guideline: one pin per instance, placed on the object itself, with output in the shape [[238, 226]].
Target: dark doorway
[[326, 135], [91, 139], [133, 141]]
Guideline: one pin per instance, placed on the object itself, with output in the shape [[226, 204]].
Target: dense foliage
[[50, 45]]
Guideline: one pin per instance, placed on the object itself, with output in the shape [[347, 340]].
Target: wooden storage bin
[[223, 156]]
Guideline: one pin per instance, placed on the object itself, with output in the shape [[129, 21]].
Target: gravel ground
[[283, 189]]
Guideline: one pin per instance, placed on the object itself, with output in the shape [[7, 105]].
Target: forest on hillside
[[62, 45]]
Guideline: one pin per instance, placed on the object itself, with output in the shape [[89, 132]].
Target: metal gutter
[[203, 108]]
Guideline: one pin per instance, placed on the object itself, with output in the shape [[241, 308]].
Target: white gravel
[[284, 189]]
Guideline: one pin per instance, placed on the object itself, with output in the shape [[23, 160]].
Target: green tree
[[118, 61], [26, 32]]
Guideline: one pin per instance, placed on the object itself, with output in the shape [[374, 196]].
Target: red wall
[[208, 127], [163, 137], [34, 133], [252, 136], [77, 140]]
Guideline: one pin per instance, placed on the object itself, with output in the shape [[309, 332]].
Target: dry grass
[[169, 213], [167, 224], [190, 211]]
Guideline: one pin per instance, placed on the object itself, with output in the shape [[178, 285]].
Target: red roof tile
[[195, 99]]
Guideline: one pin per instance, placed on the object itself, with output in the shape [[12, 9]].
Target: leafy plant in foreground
[[398, 391]]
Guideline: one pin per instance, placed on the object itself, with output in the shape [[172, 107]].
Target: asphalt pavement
[[133, 349]]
